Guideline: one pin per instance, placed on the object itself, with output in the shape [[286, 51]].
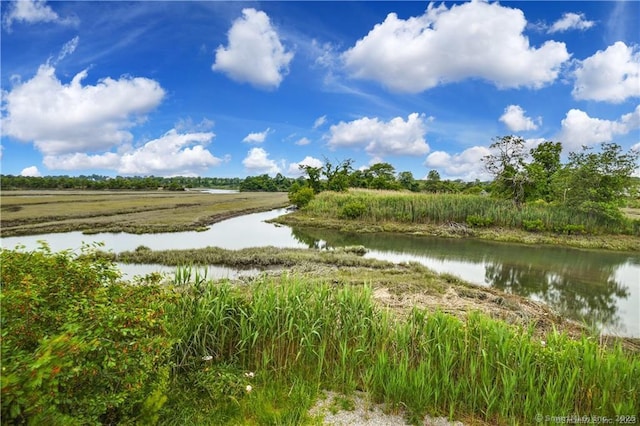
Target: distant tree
[[313, 177], [407, 181], [433, 176], [546, 163], [599, 182], [337, 177], [508, 167], [381, 176]]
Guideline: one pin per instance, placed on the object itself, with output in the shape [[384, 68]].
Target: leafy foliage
[[78, 347]]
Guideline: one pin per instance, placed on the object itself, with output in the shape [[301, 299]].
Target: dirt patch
[[356, 409]]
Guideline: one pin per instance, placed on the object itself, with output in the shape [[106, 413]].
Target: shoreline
[[620, 243]]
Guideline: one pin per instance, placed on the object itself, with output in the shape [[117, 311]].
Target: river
[[593, 286]]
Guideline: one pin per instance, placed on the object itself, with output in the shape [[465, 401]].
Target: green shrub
[[533, 225], [479, 221], [79, 347], [353, 210], [302, 196], [571, 229]]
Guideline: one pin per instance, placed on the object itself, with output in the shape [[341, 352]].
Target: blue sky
[[243, 88]]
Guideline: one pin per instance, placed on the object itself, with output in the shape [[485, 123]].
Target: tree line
[[98, 182]]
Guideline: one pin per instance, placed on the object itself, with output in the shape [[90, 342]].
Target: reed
[[430, 362], [473, 210]]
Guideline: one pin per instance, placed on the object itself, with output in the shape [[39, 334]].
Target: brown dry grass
[[37, 212]]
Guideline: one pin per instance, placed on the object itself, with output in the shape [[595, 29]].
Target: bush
[[479, 221], [353, 210], [571, 229], [301, 196], [533, 225], [79, 347]]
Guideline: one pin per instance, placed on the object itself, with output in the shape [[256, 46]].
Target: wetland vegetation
[[196, 351], [82, 346], [39, 212]]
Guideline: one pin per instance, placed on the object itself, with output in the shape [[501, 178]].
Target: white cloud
[[303, 141], [68, 48], [30, 171], [579, 129], [395, 137], [258, 161], [294, 168], [257, 137], [570, 21], [466, 165], [612, 75], [31, 12], [255, 54], [319, 121], [470, 40], [64, 118], [170, 155], [516, 121]]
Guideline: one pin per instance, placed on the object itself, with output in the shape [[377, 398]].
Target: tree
[[338, 175], [508, 167], [381, 176], [313, 177], [433, 176], [406, 180], [545, 164], [598, 182]]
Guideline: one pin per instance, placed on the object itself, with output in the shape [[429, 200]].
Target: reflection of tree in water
[[582, 292], [578, 284]]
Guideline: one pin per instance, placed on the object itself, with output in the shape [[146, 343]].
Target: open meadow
[[39, 212]]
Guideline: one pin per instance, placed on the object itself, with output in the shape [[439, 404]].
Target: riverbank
[[396, 286], [136, 212], [460, 230], [467, 216]]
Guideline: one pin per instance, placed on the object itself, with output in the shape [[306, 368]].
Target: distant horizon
[[235, 89]]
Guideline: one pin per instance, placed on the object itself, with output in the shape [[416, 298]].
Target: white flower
[[248, 388], [207, 358], [543, 343], [249, 374]]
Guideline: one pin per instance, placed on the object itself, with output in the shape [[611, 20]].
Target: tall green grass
[[430, 363], [394, 206]]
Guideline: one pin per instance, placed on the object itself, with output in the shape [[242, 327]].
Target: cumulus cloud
[[257, 137], [578, 129], [515, 119], [173, 154], [30, 171], [319, 121], [64, 118], [31, 12], [255, 54], [379, 138], [303, 141], [570, 21], [470, 40], [612, 75], [294, 168], [258, 161], [466, 165]]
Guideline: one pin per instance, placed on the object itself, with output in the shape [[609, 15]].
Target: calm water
[[592, 286]]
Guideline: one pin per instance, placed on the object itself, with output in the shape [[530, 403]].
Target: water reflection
[[584, 285]]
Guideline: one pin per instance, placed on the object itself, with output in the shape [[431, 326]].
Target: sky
[[234, 89]]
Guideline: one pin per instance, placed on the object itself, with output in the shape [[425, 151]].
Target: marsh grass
[[469, 210], [287, 329], [33, 212]]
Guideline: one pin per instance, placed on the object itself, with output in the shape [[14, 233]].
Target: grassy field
[[260, 352], [458, 216], [38, 212]]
